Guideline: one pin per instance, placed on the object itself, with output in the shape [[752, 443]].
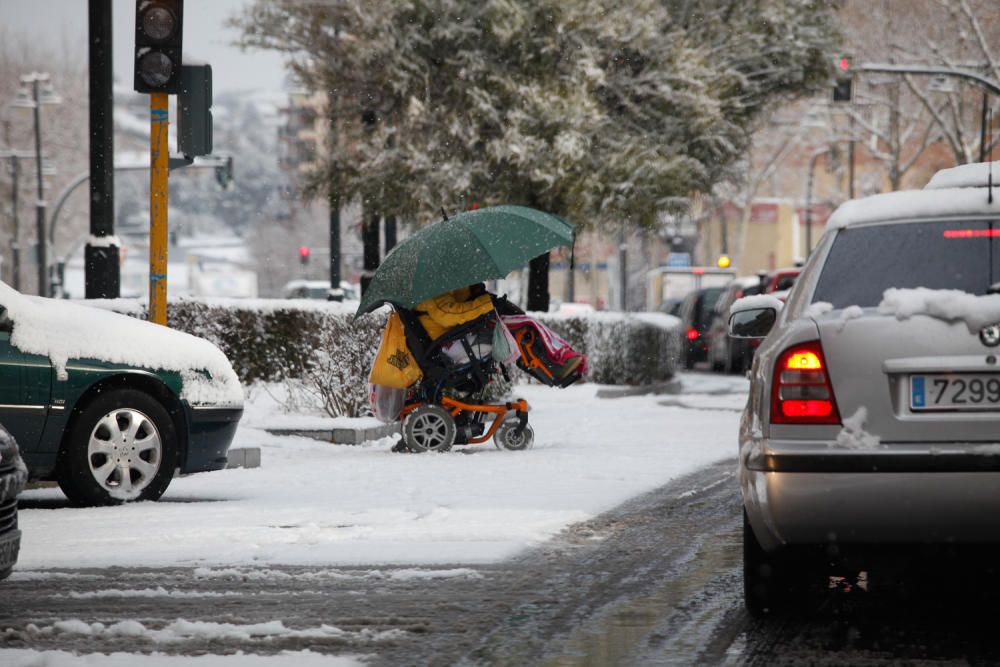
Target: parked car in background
[[727, 354], [320, 289], [671, 307], [110, 406], [780, 281], [574, 307], [874, 408], [696, 316], [13, 475]]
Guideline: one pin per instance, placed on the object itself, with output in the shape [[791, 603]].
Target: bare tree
[[900, 118], [64, 143]]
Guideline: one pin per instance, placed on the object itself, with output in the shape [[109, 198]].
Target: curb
[[669, 387], [341, 436]]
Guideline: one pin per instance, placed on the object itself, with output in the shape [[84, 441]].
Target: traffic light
[[303, 255], [843, 80], [723, 262], [194, 111], [158, 29], [224, 172]]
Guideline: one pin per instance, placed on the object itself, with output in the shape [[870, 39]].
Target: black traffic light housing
[[843, 80], [194, 111], [224, 172], [158, 31]]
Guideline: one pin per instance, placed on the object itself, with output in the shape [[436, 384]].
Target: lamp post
[[809, 190], [34, 100]]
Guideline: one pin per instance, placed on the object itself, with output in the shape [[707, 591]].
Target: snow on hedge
[[906, 204], [62, 331], [950, 305]]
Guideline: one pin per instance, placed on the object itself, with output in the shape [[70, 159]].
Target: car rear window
[[703, 316], [865, 261], [785, 282]]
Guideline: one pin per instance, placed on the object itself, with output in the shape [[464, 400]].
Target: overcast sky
[[206, 39]]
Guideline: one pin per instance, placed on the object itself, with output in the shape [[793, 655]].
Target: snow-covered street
[[353, 515], [314, 503]]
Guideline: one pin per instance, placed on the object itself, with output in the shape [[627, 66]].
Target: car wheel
[[727, 363], [770, 580], [713, 362], [121, 447], [689, 360]]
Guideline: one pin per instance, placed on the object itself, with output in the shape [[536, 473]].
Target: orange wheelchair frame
[[454, 407]]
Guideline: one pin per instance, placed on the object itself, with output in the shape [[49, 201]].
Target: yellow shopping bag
[[394, 364]]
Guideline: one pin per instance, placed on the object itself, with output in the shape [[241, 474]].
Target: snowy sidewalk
[[314, 503]]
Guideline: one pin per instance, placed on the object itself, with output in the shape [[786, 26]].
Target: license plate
[[10, 544], [955, 391]]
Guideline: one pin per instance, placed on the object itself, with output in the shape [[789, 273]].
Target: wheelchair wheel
[[429, 428], [507, 437]]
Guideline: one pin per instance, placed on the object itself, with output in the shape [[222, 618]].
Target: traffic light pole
[[978, 79], [102, 269], [988, 86], [158, 191]]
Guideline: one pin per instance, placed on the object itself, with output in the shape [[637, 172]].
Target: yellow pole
[[158, 189]]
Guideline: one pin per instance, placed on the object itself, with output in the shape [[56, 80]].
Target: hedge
[[322, 344]]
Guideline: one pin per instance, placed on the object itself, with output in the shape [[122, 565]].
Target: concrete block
[[243, 457]]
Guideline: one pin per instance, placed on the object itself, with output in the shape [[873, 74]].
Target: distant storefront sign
[[679, 260]]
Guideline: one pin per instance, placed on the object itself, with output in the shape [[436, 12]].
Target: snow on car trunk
[[873, 356], [62, 331]]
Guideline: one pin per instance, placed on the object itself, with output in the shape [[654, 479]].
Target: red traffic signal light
[[843, 83], [304, 254]]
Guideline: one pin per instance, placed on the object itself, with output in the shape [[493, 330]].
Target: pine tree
[[596, 110]]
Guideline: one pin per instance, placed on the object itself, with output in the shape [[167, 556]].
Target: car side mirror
[[754, 323], [753, 316]]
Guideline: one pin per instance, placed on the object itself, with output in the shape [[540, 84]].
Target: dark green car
[[109, 406]]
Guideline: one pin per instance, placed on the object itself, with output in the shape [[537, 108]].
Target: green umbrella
[[468, 248]]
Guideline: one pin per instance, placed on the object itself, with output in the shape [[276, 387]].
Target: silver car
[[874, 407]]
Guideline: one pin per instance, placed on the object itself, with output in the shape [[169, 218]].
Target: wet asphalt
[[657, 581]]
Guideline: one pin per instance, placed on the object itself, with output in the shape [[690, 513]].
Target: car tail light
[[692, 334], [801, 392]]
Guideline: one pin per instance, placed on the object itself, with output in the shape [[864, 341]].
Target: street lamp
[[817, 154], [41, 92]]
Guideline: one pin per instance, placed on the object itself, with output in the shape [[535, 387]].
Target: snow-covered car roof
[[62, 331], [965, 176], [747, 281], [914, 204], [319, 284]]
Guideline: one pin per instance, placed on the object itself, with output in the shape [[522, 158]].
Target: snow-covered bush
[[317, 349], [334, 376], [621, 349], [323, 354]]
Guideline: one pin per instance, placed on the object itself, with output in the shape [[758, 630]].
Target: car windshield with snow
[[874, 408], [108, 405]]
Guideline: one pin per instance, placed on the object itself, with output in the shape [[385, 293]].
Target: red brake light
[[970, 233], [801, 391], [692, 334], [806, 360]]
